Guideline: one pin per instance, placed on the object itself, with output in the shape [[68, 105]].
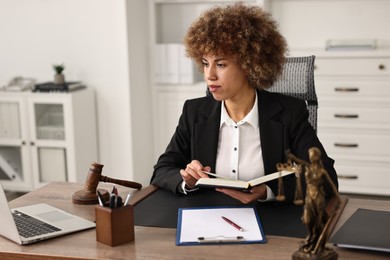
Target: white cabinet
[[168, 108], [353, 118], [46, 137]]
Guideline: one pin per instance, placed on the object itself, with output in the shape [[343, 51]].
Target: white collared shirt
[[239, 153]]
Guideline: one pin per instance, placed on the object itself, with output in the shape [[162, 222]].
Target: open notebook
[[26, 225], [238, 184]]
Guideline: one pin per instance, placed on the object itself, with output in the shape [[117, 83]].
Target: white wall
[[91, 38], [140, 96]]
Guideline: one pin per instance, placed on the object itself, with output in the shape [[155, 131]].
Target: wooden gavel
[[88, 194]]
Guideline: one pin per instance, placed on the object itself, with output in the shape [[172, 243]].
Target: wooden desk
[[153, 243]]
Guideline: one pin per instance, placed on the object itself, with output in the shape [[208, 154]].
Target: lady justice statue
[[315, 217]]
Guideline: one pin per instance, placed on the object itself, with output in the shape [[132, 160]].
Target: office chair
[[297, 80]]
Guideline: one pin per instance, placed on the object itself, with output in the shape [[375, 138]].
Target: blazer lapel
[[206, 133], [271, 131]]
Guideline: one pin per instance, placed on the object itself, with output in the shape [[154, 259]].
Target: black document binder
[[365, 229]]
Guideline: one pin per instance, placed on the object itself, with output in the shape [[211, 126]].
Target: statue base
[[327, 254]]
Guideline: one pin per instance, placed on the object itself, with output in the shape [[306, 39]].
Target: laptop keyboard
[[29, 226]]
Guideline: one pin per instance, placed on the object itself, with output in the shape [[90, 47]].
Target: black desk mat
[[160, 210]]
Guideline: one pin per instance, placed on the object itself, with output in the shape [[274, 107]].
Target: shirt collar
[[252, 117]]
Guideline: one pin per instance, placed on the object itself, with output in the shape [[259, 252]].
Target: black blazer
[[283, 125]]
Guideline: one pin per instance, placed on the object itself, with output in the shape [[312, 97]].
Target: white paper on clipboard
[[207, 223]]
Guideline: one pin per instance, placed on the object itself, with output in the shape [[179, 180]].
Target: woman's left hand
[[257, 192]]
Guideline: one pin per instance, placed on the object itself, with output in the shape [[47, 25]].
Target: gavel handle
[[130, 184]]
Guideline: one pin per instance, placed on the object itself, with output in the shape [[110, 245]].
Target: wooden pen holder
[[114, 226]]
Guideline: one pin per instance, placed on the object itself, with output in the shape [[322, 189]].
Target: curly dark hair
[[245, 32]]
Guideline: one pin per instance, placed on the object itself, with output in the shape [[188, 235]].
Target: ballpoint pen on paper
[[232, 223]]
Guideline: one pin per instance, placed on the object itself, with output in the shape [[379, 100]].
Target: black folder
[[365, 229]]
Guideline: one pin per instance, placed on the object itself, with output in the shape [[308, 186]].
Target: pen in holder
[[114, 226]]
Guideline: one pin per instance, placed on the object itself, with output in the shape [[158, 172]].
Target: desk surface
[[151, 242]]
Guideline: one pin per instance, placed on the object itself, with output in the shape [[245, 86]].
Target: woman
[[242, 131]]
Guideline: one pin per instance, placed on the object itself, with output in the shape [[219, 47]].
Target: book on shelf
[[172, 66], [238, 184], [51, 87]]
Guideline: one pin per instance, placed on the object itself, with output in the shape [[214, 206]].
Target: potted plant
[[59, 78]]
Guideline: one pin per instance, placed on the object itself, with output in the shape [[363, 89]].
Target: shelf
[[378, 53]]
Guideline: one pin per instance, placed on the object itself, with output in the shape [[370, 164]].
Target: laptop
[[45, 222]]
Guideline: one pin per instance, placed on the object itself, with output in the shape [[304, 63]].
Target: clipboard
[[206, 225]]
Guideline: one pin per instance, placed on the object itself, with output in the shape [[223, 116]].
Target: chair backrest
[[297, 80]]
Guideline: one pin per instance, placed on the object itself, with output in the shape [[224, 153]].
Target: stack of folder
[[51, 87]]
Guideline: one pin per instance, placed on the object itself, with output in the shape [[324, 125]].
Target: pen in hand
[[233, 224], [212, 174]]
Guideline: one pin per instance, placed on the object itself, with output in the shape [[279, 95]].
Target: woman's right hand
[[193, 172]]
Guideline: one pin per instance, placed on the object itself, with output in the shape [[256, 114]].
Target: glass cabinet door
[[49, 121], [11, 168], [48, 141], [52, 164], [10, 156], [9, 119], [14, 174]]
